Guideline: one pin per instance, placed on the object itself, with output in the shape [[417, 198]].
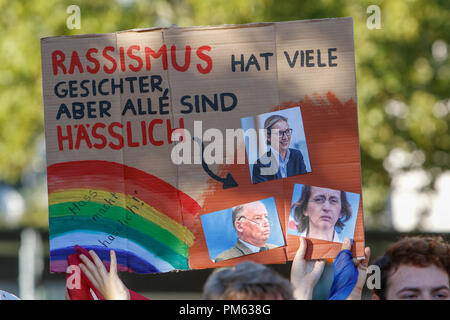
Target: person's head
[[251, 223], [321, 209], [282, 135], [247, 281], [415, 268]]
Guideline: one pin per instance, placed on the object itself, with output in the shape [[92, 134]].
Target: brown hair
[[247, 281], [270, 121], [417, 251], [302, 204]]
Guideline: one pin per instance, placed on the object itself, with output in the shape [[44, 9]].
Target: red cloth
[[83, 292]]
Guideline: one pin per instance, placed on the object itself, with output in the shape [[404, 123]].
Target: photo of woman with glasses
[[323, 213], [282, 157]]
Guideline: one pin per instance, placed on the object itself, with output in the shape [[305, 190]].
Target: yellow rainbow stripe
[[121, 200]]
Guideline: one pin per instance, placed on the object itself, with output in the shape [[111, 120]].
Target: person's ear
[[238, 225]]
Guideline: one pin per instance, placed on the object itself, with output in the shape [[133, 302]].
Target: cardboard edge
[[176, 28]]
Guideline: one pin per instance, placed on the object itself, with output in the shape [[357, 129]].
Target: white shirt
[[282, 164], [336, 238], [250, 246], [7, 296]]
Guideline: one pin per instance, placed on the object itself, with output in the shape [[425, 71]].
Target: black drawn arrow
[[228, 181]]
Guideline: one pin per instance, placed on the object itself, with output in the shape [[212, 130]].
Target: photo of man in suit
[[280, 161], [252, 228]]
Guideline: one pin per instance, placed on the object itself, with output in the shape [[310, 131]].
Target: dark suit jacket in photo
[[296, 165], [239, 250]]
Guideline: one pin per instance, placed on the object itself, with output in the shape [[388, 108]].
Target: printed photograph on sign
[[112, 156], [242, 230], [276, 145], [323, 213]]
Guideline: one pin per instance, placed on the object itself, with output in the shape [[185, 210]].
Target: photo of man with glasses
[[280, 161], [252, 226]]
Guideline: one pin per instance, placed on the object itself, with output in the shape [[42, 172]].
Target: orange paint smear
[[328, 123]]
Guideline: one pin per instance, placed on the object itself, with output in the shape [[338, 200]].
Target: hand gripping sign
[[174, 145]]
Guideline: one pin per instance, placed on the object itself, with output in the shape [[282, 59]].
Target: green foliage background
[[394, 64]]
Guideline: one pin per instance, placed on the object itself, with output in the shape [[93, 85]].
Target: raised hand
[[362, 266], [305, 274], [108, 283]]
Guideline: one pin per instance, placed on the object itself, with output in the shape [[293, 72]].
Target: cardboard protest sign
[[164, 144]]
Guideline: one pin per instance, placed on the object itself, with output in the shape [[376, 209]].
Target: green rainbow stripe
[[65, 224], [96, 202], [138, 207], [117, 214]]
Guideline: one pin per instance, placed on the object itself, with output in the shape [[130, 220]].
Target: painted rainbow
[[104, 205]]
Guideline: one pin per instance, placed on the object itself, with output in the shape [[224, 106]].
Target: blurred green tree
[[403, 73]]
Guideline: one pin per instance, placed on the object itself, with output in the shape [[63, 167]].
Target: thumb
[[318, 267], [302, 248], [300, 255], [365, 263], [298, 264], [346, 245]]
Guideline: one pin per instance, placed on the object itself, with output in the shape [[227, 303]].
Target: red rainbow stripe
[[116, 177]]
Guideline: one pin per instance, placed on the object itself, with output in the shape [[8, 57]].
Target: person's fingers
[[346, 245], [67, 296], [367, 254], [100, 266], [90, 276], [113, 264], [302, 248], [318, 267], [365, 262], [298, 264], [91, 267]]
